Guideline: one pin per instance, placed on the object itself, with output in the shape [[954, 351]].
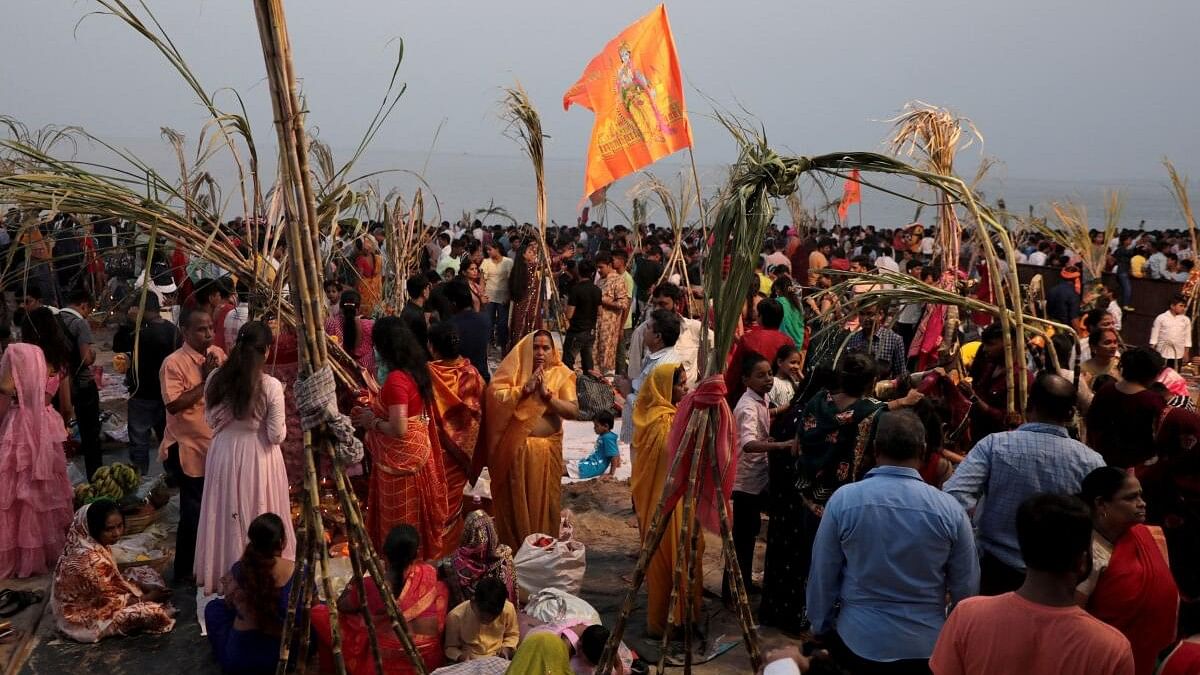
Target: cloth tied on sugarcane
[[316, 400], [708, 394]]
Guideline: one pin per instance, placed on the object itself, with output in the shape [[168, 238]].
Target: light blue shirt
[[889, 549], [1010, 467]]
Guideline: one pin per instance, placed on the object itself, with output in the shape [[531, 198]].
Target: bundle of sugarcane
[[675, 208], [1074, 233]]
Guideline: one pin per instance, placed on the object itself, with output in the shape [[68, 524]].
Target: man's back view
[[1038, 629]]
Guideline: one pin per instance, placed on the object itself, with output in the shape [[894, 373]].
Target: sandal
[[13, 602]]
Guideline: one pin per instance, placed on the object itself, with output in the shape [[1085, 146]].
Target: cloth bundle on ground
[[554, 605], [545, 562]]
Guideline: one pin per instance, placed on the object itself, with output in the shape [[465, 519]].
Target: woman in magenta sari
[[1130, 587], [420, 597]]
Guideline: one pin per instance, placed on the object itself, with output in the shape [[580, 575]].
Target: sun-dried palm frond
[[1075, 234], [525, 127], [1179, 189]]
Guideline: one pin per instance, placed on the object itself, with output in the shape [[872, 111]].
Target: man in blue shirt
[[889, 549], [1011, 466]]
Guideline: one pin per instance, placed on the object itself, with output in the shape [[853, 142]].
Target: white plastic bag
[[554, 606], [559, 564]]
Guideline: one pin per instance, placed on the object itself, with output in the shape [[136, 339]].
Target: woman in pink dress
[[352, 330], [35, 493], [244, 472]]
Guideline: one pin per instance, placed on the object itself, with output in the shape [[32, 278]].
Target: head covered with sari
[[542, 653], [653, 409], [507, 406], [481, 556]]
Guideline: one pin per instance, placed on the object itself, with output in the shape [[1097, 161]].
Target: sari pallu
[[479, 556], [457, 414], [653, 413], [423, 597], [92, 599], [526, 471], [408, 484], [1136, 594]]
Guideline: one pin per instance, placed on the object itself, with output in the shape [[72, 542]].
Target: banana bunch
[[84, 494], [115, 481]]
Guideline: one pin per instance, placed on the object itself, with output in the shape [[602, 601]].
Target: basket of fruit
[[120, 482]]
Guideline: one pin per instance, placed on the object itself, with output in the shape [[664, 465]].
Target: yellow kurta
[[526, 471], [653, 414]]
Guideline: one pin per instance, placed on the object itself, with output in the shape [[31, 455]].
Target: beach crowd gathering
[[912, 523]]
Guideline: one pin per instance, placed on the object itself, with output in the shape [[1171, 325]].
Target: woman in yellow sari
[[653, 413], [369, 265], [457, 413], [530, 394]]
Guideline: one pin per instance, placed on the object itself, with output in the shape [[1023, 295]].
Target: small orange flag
[[851, 194], [636, 91]]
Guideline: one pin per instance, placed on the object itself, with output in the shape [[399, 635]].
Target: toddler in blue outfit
[[607, 455]]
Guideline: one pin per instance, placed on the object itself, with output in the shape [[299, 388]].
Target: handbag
[[594, 396]]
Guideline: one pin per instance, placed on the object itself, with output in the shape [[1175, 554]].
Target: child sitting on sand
[[606, 456]]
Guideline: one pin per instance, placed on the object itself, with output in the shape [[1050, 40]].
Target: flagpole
[[704, 320], [860, 211]]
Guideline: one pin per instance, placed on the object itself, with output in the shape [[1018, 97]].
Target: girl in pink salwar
[[35, 493], [244, 471]]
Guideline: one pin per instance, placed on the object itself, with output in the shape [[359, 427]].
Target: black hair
[[1052, 531], [34, 292], [856, 372], [668, 325], [40, 327], [444, 339], [1102, 379], [520, 280], [770, 313], [900, 435], [784, 352], [491, 596], [458, 292], [186, 314], [1102, 483], [1053, 397], [350, 301], [668, 290], [97, 516], [1178, 299], [1094, 317], [332, 283], [750, 361], [266, 538], [205, 290], [416, 285], [237, 381], [587, 269], [79, 295], [400, 548], [400, 350], [605, 418], [1096, 336], [592, 642], [1141, 365], [993, 332]]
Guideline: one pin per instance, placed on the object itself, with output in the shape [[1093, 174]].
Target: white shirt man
[[495, 278], [1171, 334]]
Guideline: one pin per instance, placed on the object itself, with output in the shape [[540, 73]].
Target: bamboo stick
[[318, 534], [298, 593], [680, 575]]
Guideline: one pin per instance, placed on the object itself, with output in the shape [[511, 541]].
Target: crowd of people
[[915, 523]]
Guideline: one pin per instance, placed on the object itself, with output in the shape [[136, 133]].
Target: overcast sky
[[1095, 89]]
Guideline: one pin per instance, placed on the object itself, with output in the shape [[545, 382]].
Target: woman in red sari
[[1130, 587], [420, 597], [408, 481], [457, 411]]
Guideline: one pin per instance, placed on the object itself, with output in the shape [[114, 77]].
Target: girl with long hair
[[246, 623], [244, 470], [353, 330], [408, 481], [35, 493], [471, 273], [526, 291]]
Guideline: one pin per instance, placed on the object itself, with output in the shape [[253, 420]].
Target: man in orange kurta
[[530, 394]]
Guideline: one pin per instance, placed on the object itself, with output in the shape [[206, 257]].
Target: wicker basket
[[159, 564], [138, 524]]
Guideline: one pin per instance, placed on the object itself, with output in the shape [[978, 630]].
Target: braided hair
[[444, 341]]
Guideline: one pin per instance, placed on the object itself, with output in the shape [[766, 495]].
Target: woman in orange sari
[[530, 394], [457, 412], [369, 265], [420, 597], [653, 414], [1130, 587], [408, 482]]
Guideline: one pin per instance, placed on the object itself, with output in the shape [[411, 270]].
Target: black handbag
[[594, 396]]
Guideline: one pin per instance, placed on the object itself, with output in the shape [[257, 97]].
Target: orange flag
[[851, 194], [635, 90]]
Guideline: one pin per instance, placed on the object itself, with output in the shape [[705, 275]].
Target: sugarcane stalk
[[741, 600], [650, 542], [299, 592], [314, 498], [306, 624], [682, 574]]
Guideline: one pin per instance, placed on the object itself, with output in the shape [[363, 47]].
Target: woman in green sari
[[784, 290]]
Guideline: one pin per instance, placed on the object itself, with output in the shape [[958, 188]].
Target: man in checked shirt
[[881, 342]]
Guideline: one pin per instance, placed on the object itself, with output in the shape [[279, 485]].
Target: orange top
[[1009, 634], [181, 371]]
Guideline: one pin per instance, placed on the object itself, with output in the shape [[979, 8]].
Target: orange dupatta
[[457, 413]]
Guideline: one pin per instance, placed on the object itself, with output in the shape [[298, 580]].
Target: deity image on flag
[[635, 89], [637, 95]]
